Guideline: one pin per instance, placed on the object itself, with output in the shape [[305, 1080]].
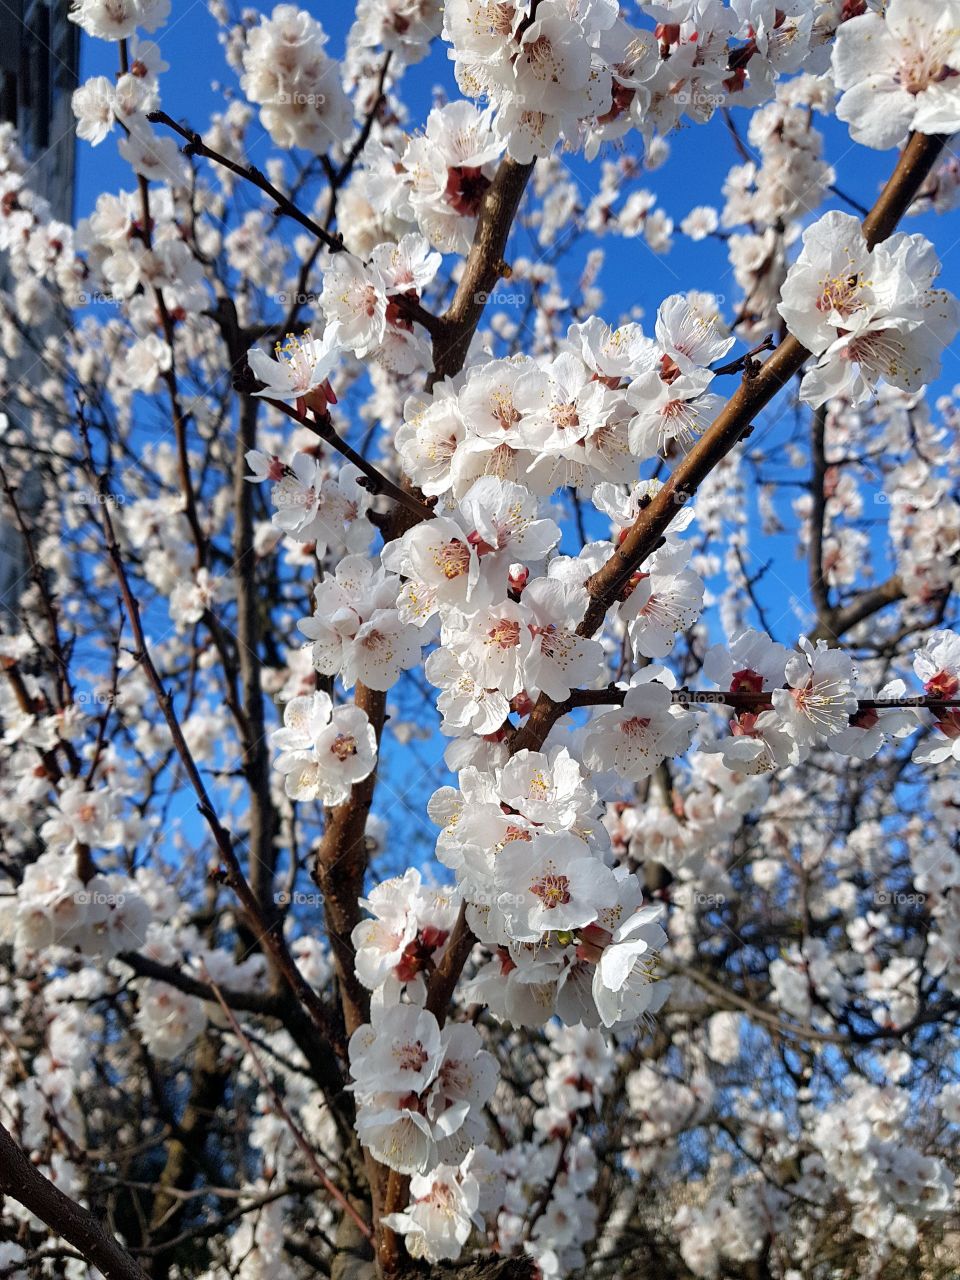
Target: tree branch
[[270, 936], [197, 147], [78, 1226]]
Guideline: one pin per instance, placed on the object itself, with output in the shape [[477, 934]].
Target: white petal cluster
[[419, 1090], [324, 750], [867, 314], [288, 73], [403, 27]]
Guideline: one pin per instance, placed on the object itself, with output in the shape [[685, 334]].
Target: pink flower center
[[412, 1057], [634, 726], [344, 746], [453, 559], [943, 685], [466, 187], [505, 634], [552, 890]]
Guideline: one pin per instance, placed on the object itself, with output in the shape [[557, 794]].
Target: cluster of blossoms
[[556, 71], [535, 1195], [324, 750], [767, 198], [288, 73], [398, 948], [547, 894], [889, 1181], [753, 827], [875, 312], [419, 1089], [569, 931]]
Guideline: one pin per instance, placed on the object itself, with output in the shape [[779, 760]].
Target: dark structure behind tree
[[39, 57]]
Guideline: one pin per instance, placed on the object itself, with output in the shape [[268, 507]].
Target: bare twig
[[232, 873], [21, 1180], [308, 1152]]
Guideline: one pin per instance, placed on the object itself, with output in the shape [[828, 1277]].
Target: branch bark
[[78, 1226], [483, 268], [819, 591]]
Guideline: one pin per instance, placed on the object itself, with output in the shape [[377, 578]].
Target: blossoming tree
[[305, 491]]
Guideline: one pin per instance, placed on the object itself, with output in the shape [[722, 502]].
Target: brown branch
[[363, 137], [197, 147], [613, 696], [263, 1003], [308, 1152], [915, 164], [832, 621], [819, 591], [746, 363], [483, 268], [185, 1149], [22, 1181], [746, 700], [232, 872], [255, 760], [31, 707], [377, 481], [843, 617], [169, 375]]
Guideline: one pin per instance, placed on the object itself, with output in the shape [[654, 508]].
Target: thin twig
[[281, 1110], [232, 874], [378, 482]]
